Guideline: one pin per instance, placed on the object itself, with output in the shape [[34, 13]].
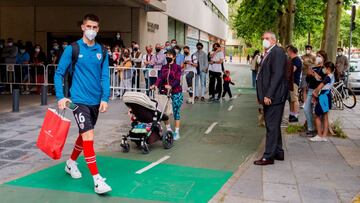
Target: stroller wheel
[[125, 146], [168, 139], [145, 148]]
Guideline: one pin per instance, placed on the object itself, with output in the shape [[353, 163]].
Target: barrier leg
[[15, 100], [44, 91]]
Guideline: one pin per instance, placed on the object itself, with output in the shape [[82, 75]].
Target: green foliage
[[345, 30], [251, 18], [337, 129], [293, 129]]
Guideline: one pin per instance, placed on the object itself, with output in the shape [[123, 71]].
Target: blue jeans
[[254, 73], [308, 110], [202, 79]]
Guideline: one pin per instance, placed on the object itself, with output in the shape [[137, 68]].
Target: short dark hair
[[173, 40], [172, 52], [186, 47], [216, 44], [330, 65], [91, 17], [292, 49], [308, 46], [199, 44], [340, 49], [177, 47]]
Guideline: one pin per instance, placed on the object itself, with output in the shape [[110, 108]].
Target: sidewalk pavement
[[312, 172]]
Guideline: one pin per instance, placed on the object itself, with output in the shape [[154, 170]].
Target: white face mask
[[173, 44], [339, 53], [324, 70], [266, 44], [308, 51], [37, 50], [318, 60], [10, 44], [90, 34]]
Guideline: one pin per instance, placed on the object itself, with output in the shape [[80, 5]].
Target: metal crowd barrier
[[127, 79], [15, 76]]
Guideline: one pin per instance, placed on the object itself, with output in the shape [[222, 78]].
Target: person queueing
[[322, 100], [170, 81], [90, 91], [226, 84]]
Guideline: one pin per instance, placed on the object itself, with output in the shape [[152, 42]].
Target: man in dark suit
[[272, 90]]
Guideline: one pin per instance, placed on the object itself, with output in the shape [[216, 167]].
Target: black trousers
[[273, 116], [136, 79], [227, 90], [215, 80]]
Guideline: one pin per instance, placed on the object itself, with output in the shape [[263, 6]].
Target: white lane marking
[[230, 108], [152, 165], [211, 127]]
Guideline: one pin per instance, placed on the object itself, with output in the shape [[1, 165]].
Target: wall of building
[[17, 22], [188, 11], [155, 35]]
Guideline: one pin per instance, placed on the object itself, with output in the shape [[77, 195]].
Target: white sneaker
[[101, 187], [176, 136], [317, 138], [72, 169]]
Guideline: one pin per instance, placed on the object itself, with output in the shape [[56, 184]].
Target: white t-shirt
[[190, 59], [216, 67]]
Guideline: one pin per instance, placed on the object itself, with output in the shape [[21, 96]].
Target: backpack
[[74, 58]]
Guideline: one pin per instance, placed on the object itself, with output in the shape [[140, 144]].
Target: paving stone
[[236, 199], [2, 150], [346, 196], [279, 176], [13, 155], [281, 192], [12, 143], [319, 192], [345, 182], [31, 145], [247, 188], [2, 163], [253, 173]]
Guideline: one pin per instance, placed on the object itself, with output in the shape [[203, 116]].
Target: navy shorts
[[86, 117]]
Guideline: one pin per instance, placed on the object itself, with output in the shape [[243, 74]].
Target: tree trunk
[[331, 28], [290, 11], [282, 26]]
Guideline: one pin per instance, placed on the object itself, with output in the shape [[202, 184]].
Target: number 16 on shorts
[[80, 120]]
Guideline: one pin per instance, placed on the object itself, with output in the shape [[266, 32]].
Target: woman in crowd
[[125, 72], [169, 82], [322, 100], [313, 79], [255, 66]]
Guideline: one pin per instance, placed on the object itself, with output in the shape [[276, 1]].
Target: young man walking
[[90, 91]]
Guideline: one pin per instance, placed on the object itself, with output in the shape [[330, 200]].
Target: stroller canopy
[[139, 98]]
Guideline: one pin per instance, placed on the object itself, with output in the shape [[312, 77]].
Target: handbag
[[53, 134]]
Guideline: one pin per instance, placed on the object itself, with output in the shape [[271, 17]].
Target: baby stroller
[[146, 126]]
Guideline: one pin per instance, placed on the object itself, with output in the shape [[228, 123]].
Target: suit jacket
[[272, 80]]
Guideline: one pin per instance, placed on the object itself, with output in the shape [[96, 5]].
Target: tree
[[345, 31], [331, 29]]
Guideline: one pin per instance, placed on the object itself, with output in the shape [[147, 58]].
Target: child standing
[[322, 100], [227, 82]]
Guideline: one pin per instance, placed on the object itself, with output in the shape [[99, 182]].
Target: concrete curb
[[220, 196]]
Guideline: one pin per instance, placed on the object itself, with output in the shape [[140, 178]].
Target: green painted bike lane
[[199, 163]]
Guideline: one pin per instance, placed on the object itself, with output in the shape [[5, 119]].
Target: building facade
[[146, 21]]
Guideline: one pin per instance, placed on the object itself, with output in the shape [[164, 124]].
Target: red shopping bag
[[53, 134]]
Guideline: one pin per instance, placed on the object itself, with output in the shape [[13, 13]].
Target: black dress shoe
[[264, 162], [279, 157]]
